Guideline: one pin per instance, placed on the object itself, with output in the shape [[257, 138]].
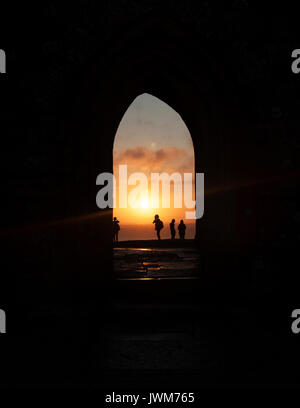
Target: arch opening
[[152, 139], [153, 158]]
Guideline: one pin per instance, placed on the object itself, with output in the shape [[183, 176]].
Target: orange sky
[[152, 138]]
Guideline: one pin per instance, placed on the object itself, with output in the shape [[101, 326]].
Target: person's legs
[[117, 236], [158, 234]]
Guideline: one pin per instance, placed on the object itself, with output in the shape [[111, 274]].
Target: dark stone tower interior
[[71, 74]]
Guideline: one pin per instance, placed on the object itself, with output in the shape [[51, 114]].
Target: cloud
[[135, 153], [160, 154], [146, 159]]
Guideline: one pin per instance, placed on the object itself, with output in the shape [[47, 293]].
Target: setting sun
[[144, 203]]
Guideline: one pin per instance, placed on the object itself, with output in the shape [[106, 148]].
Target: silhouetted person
[[158, 225], [172, 229], [181, 229], [116, 229]]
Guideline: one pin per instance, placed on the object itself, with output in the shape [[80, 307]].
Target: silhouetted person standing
[[116, 229], [158, 225], [172, 229], [181, 229]]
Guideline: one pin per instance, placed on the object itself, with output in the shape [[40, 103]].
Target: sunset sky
[[152, 137]]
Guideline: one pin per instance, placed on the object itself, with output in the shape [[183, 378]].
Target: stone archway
[[102, 101]]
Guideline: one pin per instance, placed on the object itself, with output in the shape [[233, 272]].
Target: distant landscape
[[145, 232]]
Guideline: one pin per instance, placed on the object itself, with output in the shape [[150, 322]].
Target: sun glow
[[144, 203]]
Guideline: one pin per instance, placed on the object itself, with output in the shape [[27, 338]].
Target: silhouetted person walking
[[172, 229], [181, 229], [158, 225], [116, 229]]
